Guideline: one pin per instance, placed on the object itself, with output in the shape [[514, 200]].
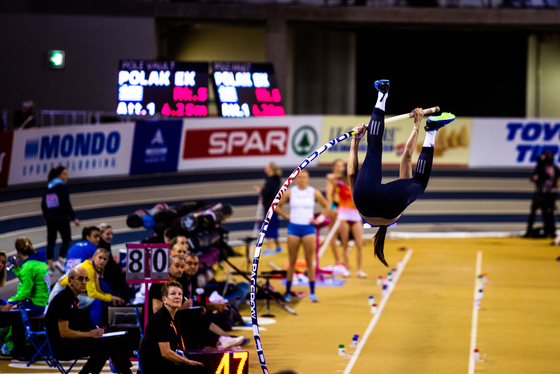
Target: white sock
[[430, 138], [381, 100]]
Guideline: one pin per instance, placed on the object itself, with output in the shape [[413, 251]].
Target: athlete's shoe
[[313, 298], [270, 252], [437, 122], [361, 274], [382, 85], [288, 298], [230, 341]]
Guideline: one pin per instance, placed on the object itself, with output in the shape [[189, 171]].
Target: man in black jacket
[[545, 177], [70, 333]]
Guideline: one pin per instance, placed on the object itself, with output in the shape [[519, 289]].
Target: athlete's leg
[[371, 168], [424, 166], [332, 215], [344, 236], [358, 232], [370, 173], [66, 235], [293, 246], [309, 247], [403, 192]]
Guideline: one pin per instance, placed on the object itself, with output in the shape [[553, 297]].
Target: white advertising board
[[513, 142], [85, 150], [221, 143]]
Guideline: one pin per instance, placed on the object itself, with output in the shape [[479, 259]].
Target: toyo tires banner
[[515, 142]]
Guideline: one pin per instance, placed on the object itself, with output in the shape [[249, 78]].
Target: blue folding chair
[[40, 340], [139, 322]]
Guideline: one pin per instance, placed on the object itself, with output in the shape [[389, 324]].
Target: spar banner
[[218, 143], [85, 150], [513, 142], [452, 146], [5, 156]]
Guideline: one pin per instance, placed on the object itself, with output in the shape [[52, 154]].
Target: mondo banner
[[86, 151]]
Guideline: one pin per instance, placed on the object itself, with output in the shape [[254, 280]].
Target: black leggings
[[374, 199], [53, 227]]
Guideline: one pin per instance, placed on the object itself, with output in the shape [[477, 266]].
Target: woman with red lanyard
[[163, 346]]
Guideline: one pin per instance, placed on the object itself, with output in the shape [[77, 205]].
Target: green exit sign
[[56, 59]]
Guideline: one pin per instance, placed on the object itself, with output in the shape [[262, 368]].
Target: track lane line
[[377, 315], [474, 323]]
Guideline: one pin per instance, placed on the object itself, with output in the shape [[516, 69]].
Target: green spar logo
[[304, 140]]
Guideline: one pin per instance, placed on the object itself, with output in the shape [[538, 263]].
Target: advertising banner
[[85, 150], [513, 142], [217, 143], [156, 147], [452, 146], [6, 138]]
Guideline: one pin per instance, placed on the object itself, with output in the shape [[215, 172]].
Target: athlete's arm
[[331, 182], [324, 203], [405, 170], [279, 209], [353, 166]]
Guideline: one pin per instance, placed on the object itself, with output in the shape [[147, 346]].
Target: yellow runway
[[426, 324]]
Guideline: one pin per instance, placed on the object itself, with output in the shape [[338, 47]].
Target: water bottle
[[12, 261]]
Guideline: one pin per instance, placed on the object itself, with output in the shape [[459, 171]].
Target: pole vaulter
[[270, 212]]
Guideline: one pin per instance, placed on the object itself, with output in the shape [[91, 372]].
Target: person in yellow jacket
[[96, 300]]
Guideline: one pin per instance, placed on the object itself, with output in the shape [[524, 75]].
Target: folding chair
[[138, 321], [40, 340], [137, 352]]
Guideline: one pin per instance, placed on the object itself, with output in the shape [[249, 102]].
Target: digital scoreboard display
[[168, 88], [245, 89]]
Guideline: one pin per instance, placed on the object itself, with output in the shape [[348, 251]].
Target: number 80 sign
[[147, 261]]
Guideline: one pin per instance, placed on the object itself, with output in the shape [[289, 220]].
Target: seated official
[[201, 330], [163, 346], [71, 335], [220, 313], [96, 300]]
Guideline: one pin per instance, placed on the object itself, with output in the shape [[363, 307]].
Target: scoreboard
[[168, 88], [180, 89], [245, 89]]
